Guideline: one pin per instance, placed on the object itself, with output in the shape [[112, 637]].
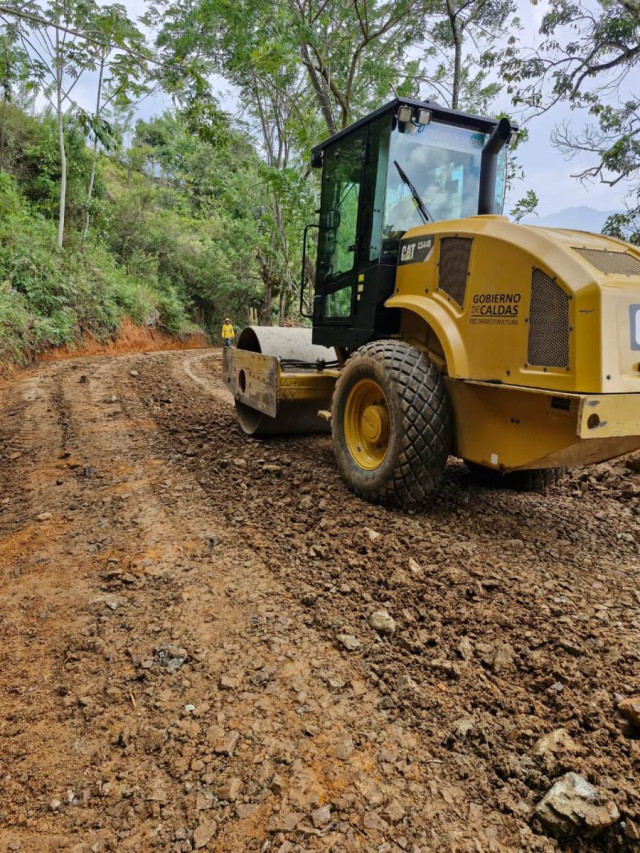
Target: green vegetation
[[50, 296], [178, 234], [174, 222]]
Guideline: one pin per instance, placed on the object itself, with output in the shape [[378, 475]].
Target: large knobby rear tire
[[528, 480], [392, 424]]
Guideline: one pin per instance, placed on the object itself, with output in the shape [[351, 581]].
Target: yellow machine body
[[513, 346], [538, 333]]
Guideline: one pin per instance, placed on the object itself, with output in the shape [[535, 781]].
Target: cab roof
[[441, 114]]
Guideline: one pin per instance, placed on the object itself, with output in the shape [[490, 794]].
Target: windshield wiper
[[420, 205]]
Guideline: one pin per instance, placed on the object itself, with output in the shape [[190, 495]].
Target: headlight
[[634, 319]]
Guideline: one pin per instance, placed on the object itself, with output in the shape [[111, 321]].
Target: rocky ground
[[208, 642]]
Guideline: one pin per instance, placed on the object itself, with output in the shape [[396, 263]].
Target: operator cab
[[406, 164]]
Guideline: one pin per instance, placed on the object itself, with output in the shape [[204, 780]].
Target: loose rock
[[171, 657], [465, 649], [349, 642], [630, 709], [502, 659], [321, 817], [204, 801], [285, 822], [244, 810], [414, 567], [394, 812], [573, 806], [382, 622], [344, 749], [556, 741], [157, 793], [204, 833], [229, 790], [227, 745], [461, 729], [399, 578]]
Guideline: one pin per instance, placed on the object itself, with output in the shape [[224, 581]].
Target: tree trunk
[[63, 153], [457, 70], [457, 38], [320, 90], [268, 281], [94, 153], [457, 64], [3, 124], [265, 313]]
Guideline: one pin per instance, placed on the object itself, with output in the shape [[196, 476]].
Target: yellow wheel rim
[[367, 424]]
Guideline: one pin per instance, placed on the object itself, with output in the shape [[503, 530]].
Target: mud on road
[[187, 659]]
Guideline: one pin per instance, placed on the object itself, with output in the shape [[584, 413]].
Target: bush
[[50, 297], [180, 228]]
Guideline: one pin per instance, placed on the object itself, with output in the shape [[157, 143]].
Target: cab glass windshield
[[443, 165]]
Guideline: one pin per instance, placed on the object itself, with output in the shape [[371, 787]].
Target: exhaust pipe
[[489, 165]]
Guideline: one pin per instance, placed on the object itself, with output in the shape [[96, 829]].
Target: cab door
[[340, 232]]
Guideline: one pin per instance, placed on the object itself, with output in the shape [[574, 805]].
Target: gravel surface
[[207, 642]]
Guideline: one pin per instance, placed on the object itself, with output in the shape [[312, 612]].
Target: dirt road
[[187, 659]]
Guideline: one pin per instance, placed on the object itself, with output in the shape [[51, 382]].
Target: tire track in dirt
[[211, 386]]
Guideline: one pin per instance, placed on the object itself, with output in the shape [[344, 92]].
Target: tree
[[465, 32], [302, 69], [58, 55], [587, 54], [192, 213], [355, 51], [526, 206], [251, 44], [122, 72], [463, 40], [13, 72], [63, 40]]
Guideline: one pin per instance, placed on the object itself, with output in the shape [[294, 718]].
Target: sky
[[546, 170]]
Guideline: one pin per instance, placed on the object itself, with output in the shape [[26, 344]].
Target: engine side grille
[[454, 267], [611, 263], [548, 323]]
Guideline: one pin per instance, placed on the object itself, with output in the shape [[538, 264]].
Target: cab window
[[337, 305], [341, 187]]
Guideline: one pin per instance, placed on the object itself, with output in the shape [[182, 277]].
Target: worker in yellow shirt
[[228, 333]]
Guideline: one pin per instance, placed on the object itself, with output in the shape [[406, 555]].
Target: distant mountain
[[580, 218]]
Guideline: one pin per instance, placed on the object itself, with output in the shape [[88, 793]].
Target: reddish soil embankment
[[131, 338]]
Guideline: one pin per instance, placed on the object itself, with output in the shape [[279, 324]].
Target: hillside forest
[[179, 219]]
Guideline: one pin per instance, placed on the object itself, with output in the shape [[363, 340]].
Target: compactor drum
[[438, 327], [277, 386]]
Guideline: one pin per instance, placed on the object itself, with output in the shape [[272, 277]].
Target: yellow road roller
[[438, 327]]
